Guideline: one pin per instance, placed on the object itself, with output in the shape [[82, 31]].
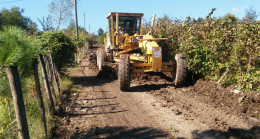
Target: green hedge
[[61, 47], [214, 46]]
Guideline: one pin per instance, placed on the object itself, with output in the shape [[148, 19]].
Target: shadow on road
[[101, 98], [121, 132], [92, 113], [95, 106], [232, 133], [63, 113], [148, 87], [88, 81]]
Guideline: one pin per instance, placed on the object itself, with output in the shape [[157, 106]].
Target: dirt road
[[152, 109]]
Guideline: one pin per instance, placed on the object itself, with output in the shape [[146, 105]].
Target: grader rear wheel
[[124, 72], [181, 72], [101, 57]]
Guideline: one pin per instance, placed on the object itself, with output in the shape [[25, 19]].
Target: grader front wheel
[[124, 72], [181, 72]]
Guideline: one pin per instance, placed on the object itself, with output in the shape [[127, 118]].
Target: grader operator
[[135, 52]]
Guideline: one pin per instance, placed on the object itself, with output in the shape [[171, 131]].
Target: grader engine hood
[[157, 59], [151, 47]]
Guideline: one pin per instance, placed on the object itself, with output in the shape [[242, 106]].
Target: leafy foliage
[[46, 23], [72, 29], [14, 17], [216, 45], [101, 38], [100, 31], [7, 122], [60, 46], [251, 15], [92, 39], [4, 85], [16, 49]]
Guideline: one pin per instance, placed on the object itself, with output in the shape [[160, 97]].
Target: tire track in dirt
[[132, 118], [150, 110]]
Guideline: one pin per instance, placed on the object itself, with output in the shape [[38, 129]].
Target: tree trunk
[[78, 51], [16, 89], [39, 94], [59, 20], [76, 58], [47, 86], [84, 51]]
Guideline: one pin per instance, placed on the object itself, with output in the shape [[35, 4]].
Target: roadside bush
[[4, 85], [60, 46], [7, 120], [101, 38], [16, 48], [79, 42], [214, 46], [91, 39]]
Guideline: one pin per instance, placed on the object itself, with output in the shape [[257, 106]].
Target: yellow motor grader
[[136, 53]]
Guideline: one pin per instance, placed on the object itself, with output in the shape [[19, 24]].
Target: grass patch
[[173, 131], [7, 120], [8, 124], [66, 85]]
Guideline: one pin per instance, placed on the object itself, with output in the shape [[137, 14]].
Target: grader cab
[[135, 52]]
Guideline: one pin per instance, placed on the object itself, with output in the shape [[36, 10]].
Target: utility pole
[[76, 18], [84, 22]]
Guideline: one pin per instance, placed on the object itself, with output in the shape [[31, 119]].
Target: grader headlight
[[135, 41]]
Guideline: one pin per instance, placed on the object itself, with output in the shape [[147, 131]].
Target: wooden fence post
[[47, 86], [16, 89], [56, 74], [78, 54], [49, 75], [39, 94]]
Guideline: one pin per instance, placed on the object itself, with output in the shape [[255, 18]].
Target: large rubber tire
[[124, 72], [101, 58], [181, 72]]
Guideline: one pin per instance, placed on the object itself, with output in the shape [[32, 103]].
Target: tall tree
[[250, 16], [100, 31], [61, 11], [229, 18], [14, 17], [71, 27], [46, 23]]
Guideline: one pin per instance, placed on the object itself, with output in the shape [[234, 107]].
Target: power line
[[11, 1]]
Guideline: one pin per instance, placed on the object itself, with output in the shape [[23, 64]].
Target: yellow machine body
[[145, 53]]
